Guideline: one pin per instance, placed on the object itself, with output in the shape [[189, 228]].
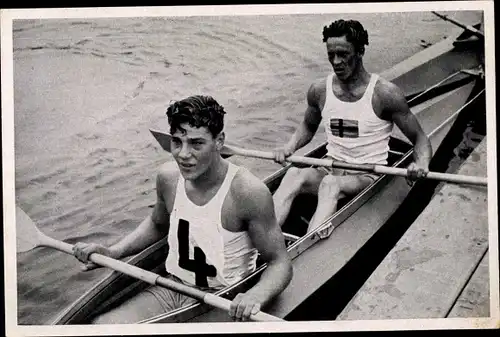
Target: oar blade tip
[[26, 232], [162, 138], [23, 245]]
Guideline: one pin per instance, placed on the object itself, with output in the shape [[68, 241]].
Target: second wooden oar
[[471, 29], [30, 237], [164, 140]]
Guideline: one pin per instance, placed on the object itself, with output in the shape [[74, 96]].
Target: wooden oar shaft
[[164, 140], [210, 299], [380, 169], [451, 178], [152, 278], [102, 260], [471, 29]]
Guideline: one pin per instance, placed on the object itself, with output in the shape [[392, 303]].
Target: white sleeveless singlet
[[355, 134], [201, 251]]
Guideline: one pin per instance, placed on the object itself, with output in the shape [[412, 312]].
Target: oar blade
[[162, 138], [26, 232]]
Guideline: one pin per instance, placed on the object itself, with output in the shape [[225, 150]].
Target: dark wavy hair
[[353, 31], [197, 111]]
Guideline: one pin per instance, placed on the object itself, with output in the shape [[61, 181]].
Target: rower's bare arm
[[397, 109], [268, 238], [312, 119], [152, 229], [156, 225]]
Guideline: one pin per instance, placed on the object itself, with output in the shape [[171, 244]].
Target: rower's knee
[[294, 180], [329, 187], [127, 312]]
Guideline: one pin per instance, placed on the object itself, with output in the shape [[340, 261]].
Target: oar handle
[[380, 169], [210, 299], [152, 278], [103, 260], [224, 304], [233, 150], [452, 178]]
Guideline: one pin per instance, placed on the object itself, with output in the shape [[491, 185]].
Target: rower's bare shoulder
[[249, 192], [246, 184], [390, 98], [317, 91], [388, 91], [167, 176]]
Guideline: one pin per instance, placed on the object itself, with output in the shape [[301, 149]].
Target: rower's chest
[[349, 96], [354, 96], [205, 202], [201, 198]]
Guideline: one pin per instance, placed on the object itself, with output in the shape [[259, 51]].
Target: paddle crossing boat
[[437, 85]]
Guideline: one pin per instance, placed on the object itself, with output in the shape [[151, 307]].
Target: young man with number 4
[[217, 217]]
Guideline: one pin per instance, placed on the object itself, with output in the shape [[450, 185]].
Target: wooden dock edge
[[439, 264]]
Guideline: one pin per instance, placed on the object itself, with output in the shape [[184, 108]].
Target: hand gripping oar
[[30, 237], [164, 140]]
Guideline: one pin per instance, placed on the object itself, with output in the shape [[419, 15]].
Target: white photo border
[[12, 328]]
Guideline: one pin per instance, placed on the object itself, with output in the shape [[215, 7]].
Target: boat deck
[[439, 268]]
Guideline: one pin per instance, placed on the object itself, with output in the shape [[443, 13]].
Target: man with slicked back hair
[[358, 110]]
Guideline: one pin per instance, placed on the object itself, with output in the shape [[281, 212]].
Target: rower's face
[[194, 150], [342, 56]]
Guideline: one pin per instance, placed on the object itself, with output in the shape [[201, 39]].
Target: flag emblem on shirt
[[345, 128]]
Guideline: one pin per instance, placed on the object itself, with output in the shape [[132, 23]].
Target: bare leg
[[294, 182], [331, 190]]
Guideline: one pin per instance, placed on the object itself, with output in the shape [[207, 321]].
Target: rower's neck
[[213, 176], [358, 78]]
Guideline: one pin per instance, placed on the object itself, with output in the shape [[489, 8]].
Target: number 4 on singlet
[[197, 265]]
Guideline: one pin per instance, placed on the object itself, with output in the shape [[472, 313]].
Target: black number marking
[[199, 265]]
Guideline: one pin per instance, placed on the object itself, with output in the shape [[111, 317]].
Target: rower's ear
[[361, 51], [219, 140]]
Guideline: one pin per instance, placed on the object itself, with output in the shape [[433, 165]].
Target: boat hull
[[316, 261], [321, 261]]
